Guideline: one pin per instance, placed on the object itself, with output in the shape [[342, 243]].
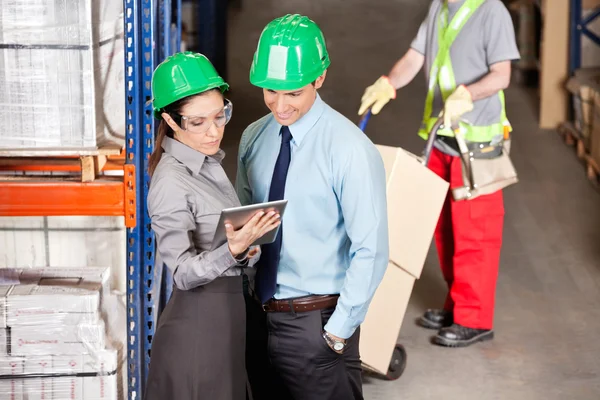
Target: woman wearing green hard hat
[[198, 351]]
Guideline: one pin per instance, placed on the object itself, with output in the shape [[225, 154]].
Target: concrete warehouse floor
[[548, 299]]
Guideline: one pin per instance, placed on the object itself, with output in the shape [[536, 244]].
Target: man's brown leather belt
[[301, 304]]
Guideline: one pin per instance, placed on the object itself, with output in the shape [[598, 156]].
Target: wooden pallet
[[573, 137], [87, 162], [593, 170]]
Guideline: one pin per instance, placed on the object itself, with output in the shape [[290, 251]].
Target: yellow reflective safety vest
[[441, 74]]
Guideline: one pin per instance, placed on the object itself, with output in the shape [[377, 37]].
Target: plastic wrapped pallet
[[63, 335], [583, 86], [595, 135], [61, 73], [60, 377]]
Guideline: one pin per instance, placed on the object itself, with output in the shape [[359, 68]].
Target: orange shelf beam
[[53, 197], [53, 165]]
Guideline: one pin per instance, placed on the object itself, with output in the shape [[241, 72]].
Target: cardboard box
[[52, 295], [101, 387], [38, 388], [583, 86], [415, 197], [104, 386], [11, 389], [595, 135], [80, 339], [57, 305], [68, 387]]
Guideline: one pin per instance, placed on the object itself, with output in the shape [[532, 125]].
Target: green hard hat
[[181, 75], [291, 53]]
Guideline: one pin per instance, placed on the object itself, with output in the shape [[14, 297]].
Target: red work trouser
[[468, 239]]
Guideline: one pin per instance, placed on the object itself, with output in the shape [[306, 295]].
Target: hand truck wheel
[[398, 363]]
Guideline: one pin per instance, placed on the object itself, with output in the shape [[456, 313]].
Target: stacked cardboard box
[[595, 130], [54, 341], [583, 86], [60, 377], [415, 196], [61, 73]]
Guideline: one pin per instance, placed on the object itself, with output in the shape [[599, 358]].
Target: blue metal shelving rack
[[149, 38], [578, 28]]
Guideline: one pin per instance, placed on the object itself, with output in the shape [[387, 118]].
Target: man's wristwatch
[[335, 344]]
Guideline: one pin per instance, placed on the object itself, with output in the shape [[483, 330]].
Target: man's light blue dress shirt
[[335, 231]]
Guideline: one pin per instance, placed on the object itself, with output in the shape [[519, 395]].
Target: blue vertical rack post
[[139, 64], [146, 147], [135, 234], [147, 43], [578, 28], [167, 45]]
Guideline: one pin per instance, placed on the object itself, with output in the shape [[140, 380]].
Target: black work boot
[[436, 319], [461, 336]]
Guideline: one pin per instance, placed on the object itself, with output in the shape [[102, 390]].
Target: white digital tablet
[[239, 216]]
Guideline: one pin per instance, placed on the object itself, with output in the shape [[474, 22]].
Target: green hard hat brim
[[291, 82], [222, 86]]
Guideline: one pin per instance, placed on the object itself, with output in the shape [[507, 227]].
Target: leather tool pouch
[[487, 168]]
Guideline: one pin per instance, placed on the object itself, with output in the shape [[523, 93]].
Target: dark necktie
[[266, 273]]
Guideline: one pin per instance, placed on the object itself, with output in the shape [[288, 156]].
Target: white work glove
[[457, 104], [377, 95]]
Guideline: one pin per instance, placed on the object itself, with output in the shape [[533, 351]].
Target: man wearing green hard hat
[[315, 282]]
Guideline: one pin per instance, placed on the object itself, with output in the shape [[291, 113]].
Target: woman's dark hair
[[174, 110]]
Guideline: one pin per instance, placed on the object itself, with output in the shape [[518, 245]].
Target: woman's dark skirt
[[198, 351]]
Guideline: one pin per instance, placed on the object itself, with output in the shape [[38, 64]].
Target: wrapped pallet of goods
[[582, 87], [594, 156], [61, 74], [62, 335]]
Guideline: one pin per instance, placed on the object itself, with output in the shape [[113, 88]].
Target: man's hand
[[457, 104], [377, 96], [332, 339]]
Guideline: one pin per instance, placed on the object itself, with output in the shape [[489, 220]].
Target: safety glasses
[[202, 123]]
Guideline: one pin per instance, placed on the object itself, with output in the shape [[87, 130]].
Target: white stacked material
[[61, 73], [54, 339], [55, 343], [79, 377]]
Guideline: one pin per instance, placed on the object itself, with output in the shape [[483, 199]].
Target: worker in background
[[317, 279], [467, 47], [199, 346]]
